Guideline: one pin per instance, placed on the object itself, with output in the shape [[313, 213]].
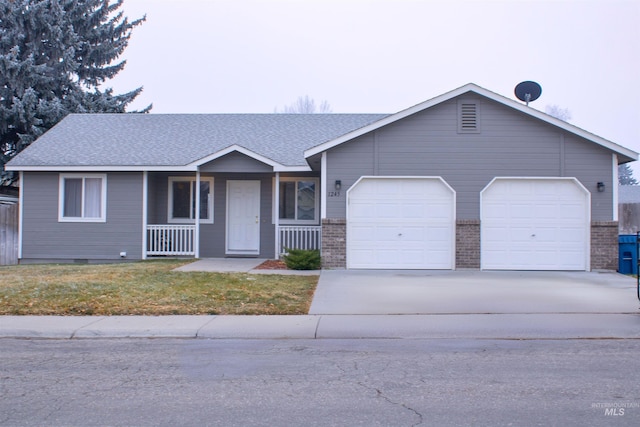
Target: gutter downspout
[[276, 211], [196, 238], [614, 181], [323, 187], [20, 213]]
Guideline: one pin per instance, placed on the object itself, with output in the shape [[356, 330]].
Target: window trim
[[61, 197], [316, 207], [170, 218]]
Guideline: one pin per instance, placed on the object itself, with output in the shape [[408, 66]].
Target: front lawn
[[148, 288]]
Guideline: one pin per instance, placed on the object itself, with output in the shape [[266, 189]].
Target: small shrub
[[302, 259]]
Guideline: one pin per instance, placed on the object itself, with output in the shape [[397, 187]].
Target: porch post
[[323, 186], [196, 238], [276, 210], [20, 213], [145, 200]]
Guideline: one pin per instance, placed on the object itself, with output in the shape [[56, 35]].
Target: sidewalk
[[437, 326]]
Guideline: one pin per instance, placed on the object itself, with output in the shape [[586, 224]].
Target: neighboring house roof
[[629, 194], [625, 155], [182, 141]]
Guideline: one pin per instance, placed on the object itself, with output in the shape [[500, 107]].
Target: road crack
[[381, 395]]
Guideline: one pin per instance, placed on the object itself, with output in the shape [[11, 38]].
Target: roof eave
[[277, 167], [154, 168]]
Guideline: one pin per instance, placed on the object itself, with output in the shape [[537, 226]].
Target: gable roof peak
[[625, 153]]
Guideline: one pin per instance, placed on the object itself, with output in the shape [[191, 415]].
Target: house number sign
[[334, 194]]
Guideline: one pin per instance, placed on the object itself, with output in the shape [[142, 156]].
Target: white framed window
[[299, 201], [182, 200], [82, 198]]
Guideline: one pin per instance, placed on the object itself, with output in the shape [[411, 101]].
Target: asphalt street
[[349, 382]]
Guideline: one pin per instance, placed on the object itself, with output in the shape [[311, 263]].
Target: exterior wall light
[[338, 185], [600, 187]]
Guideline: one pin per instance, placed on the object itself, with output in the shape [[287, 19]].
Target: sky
[[383, 56]]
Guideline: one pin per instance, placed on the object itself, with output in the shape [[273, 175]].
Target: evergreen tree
[[54, 55], [625, 175]]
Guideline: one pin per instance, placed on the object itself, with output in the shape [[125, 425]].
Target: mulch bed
[[272, 264]]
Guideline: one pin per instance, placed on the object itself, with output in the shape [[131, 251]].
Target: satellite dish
[[528, 91]]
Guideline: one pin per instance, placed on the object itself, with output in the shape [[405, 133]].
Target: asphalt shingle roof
[[181, 139]]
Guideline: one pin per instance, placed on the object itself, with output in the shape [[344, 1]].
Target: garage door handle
[[399, 234], [533, 235]]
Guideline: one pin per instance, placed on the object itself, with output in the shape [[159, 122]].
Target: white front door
[[243, 217]]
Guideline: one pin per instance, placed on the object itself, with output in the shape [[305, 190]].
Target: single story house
[[469, 179]]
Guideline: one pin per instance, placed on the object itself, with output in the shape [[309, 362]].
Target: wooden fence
[[628, 218], [8, 234]]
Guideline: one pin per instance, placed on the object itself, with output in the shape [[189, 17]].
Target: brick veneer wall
[[334, 243], [604, 245], [468, 243]]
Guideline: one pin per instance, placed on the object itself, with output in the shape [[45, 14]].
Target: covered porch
[[218, 212]]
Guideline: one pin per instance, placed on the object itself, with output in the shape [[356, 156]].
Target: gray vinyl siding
[[44, 238], [592, 164], [236, 162], [509, 144], [347, 163]]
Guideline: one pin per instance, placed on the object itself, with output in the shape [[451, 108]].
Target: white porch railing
[[299, 237], [171, 239]]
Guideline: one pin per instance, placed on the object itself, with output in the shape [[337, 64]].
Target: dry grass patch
[[148, 288]]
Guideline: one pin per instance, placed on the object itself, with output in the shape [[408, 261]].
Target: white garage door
[[535, 224], [400, 223]]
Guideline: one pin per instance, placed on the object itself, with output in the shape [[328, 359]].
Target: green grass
[[148, 288]]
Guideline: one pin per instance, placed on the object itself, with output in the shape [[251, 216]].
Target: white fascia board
[[277, 167], [102, 168], [293, 169], [558, 123], [483, 92], [239, 149], [388, 120], [187, 168]]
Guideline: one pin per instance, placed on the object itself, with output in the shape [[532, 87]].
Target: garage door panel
[[439, 212], [387, 234], [544, 225], [361, 210], [413, 211], [493, 210], [400, 223]]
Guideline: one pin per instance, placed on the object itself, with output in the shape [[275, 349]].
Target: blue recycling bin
[[627, 254]]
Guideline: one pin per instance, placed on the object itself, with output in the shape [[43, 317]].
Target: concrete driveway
[[473, 292]]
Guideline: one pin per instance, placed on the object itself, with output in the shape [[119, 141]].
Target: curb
[[449, 326]]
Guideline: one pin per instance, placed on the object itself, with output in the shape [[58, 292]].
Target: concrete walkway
[[239, 265]]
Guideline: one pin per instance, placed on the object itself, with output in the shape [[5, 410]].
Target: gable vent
[[468, 117]]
